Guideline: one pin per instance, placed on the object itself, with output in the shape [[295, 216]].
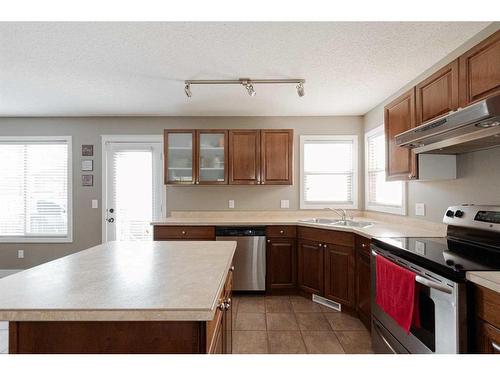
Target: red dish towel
[[397, 293]]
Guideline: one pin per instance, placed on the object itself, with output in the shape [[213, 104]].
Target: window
[[381, 195], [329, 171], [35, 189]]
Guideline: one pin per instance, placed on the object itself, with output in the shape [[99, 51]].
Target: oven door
[[442, 314]]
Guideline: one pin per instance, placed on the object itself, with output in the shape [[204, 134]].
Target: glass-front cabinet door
[[180, 156], [212, 157]]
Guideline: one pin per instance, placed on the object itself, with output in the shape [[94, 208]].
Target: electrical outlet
[[95, 203], [231, 203], [420, 209], [20, 254], [285, 203]]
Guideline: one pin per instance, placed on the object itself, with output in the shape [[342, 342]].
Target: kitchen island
[[124, 297]]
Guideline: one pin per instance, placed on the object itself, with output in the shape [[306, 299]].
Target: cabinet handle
[[268, 241], [231, 269], [495, 346], [363, 245], [222, 306], [197, 182], [325, 246], [183, 232], [320, 245], [282, 231]]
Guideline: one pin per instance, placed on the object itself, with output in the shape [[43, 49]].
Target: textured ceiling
[[94, 69]]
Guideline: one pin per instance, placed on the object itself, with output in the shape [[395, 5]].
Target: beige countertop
[[122, 281], [487, 279], [383, 226]]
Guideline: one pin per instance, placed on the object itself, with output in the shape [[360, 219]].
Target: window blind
[[328, 171], [34, 189], [380, 191]]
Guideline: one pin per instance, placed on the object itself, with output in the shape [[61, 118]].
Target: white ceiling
[[94, 69]]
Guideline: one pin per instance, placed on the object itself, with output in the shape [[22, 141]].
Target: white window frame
[[355, 198], [33, 239], [377, 207]]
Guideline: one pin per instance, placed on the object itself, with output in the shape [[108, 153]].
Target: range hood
[[476, 127]]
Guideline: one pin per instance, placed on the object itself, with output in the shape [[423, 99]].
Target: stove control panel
[[472, 216]]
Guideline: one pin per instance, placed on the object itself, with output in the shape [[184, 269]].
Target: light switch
[[231, 203], [420, 209], [285, 203], [20, 254], [95, 203]]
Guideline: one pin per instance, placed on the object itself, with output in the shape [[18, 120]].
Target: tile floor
[[291, 325]]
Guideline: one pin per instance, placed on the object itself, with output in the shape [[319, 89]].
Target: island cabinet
[[480, 71], [399, 116], [183, 233], [486, 320], [326, 264], [261, 157], [281, 259], [363, 280], [219, 335], [438, 94]]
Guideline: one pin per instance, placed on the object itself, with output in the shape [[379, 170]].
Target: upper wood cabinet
[[211, 157], [276, 156], [180, 156], [438, 94], [480, 71], [399, 116], [244, 157]]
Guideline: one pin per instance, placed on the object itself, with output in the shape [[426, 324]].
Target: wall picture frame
[[87, 165], [87, 150], [87, 180]]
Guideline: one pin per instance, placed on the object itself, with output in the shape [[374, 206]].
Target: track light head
[[187, 90], [250, 89], [300, 89]]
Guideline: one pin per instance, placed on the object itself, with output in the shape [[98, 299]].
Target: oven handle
[[426, 282]]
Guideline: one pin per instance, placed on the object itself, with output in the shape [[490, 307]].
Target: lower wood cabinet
[[486, 321], [487, 338], [219, 331], [310, 266], [339, 274], [363, 280], [281, 264]]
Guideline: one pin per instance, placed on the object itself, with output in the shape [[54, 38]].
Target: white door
[[134, 188]]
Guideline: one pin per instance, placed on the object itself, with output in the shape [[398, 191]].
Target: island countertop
[[127, 281]]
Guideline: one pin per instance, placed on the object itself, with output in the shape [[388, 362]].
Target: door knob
[[110, 220], [111, 210]]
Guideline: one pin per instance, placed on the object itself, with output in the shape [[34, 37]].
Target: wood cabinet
[[486, 320], [310, 266], [339, 274], [480, 71], [195, 157], [244, 157], [281, 259], [399, 116], [363, 280], [219, 335], [183, 232], [438, 94], [276, 156]]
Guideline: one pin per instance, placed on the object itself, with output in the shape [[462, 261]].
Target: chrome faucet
[[339, 211]]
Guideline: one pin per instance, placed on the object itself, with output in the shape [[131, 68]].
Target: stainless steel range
[[440, 264]]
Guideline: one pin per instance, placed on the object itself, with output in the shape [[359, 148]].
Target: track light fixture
[[187, 90], [247, 83], [300, 89]]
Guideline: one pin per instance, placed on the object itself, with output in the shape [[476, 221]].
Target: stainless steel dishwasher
[[250, 256]]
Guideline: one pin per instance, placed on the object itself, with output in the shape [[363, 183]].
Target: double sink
[[338, 223]]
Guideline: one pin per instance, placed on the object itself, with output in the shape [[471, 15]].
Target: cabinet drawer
[[363, 245], [326, 235], [288, 231], [184, 233], [487, 305]]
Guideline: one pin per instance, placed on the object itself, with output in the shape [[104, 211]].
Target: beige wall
[[87, 221], [478, 173]]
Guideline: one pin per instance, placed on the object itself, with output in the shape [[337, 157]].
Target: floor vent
[[326, 302]]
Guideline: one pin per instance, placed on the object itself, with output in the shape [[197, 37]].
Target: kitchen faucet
[[339, 211]]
